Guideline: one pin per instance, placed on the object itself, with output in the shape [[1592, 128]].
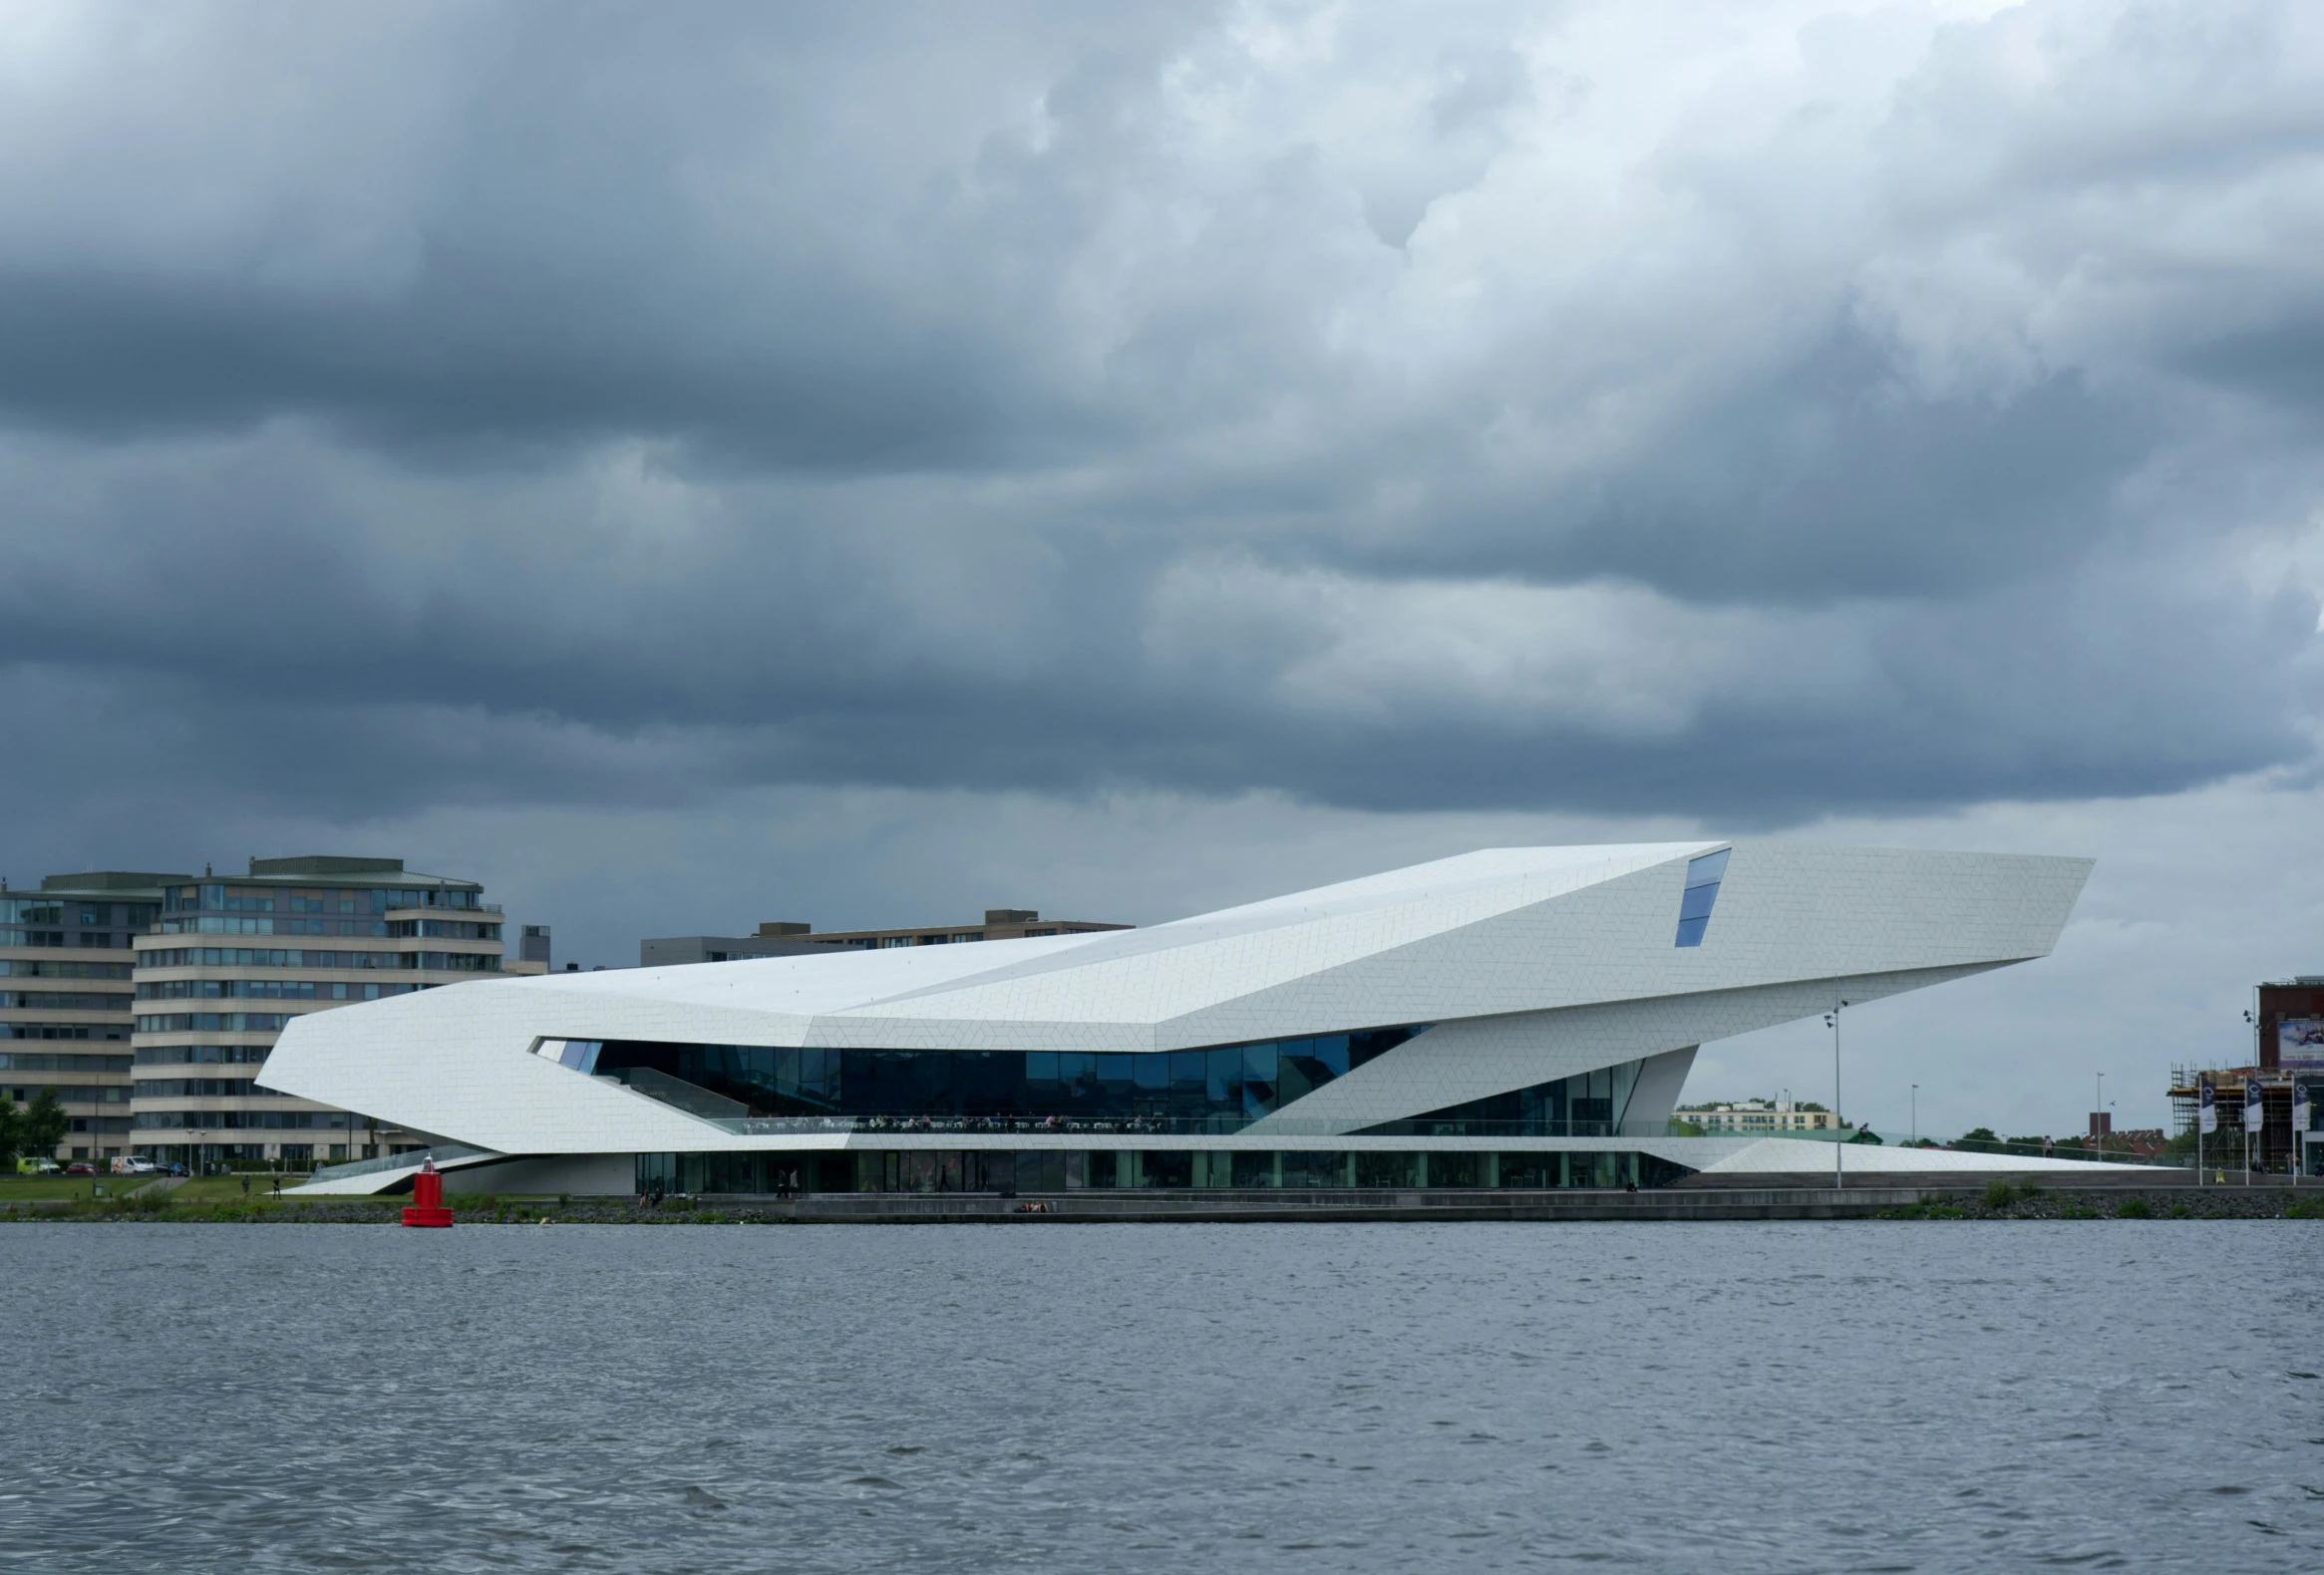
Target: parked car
[[137, 1168], [79, 1167]]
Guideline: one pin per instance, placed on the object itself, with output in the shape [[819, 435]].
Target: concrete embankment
[[2026, 1201], [2023, 1198]]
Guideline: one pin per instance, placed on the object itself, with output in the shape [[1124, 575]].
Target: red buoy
[[427, 1199]]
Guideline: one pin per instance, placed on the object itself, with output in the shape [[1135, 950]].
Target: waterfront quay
[[2162, 1194]]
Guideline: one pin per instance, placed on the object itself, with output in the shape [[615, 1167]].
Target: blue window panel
[[1702, 890]]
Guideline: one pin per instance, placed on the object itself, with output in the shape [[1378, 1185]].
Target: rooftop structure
[[792, 939]]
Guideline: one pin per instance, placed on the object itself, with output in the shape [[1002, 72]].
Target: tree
[[1979, 1140], [45, 1124], [10, 1133]]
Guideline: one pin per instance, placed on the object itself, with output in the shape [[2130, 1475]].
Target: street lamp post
[[1916, 1115], [1838, 1143]]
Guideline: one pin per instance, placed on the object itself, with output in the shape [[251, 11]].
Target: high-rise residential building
[[226, 963], [66, 1008]]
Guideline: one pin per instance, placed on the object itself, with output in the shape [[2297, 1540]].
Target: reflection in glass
[[1702, 890], [1220, 1088]]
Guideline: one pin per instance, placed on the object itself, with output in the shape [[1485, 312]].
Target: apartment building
[[1758, 1118], [66, 999], [228, 963]]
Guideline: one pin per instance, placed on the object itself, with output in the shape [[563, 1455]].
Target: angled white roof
[[1492, 934], [1145, 975]]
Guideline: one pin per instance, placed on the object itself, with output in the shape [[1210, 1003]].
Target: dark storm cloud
[[574, 404], [557, 223]]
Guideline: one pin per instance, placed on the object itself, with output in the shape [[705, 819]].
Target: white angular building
[[1511, 1018]]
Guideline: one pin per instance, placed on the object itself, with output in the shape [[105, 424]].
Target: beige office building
[[66, 1007], [226, 963], [1758, 1118]]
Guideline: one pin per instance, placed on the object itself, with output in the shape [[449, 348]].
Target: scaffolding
[[2274, 1149]]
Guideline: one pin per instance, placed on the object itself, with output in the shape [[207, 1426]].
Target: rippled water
[[1739, 1398]]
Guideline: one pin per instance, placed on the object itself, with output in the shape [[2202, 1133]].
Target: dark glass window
[[1586, 1105], [1224, 1087]]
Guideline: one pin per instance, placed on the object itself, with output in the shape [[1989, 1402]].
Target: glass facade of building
[[1143, 1170], [1586, 1105], [349, 910], [1220, 1089], [1217, 1089]]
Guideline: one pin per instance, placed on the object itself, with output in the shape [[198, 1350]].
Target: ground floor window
[[1074, 1170]]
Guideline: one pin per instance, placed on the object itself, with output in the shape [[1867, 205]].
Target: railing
[[442, 1153], [732, 1115], [1979, 1146], [1166, 1127]]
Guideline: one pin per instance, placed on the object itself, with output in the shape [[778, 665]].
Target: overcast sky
[[690, 466]]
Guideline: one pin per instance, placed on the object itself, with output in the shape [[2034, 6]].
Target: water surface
[[1665, 1396]]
